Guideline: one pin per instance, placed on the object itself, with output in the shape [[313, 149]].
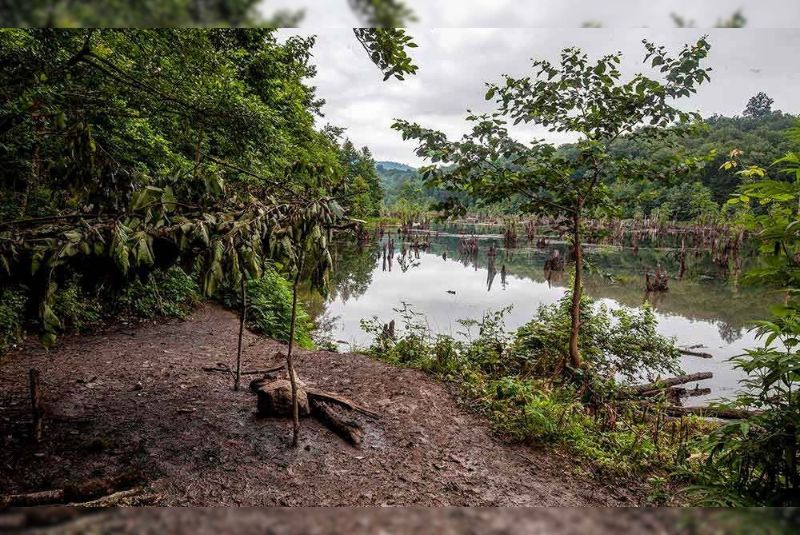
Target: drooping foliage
[[127, 150]]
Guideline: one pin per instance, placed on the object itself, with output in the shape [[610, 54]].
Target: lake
[[705, 308]]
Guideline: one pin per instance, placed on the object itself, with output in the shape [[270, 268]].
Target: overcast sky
[[454, 65], [559, 13]]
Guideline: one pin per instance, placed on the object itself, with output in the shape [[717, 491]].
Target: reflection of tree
[[618, 274], [491, 273], [728, 332], [352, 269]]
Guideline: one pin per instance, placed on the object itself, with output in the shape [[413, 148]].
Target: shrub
[[508, 376], [77, 310], [269, 309], [172, 293], [619, 343], [756, 460], [12, 309]]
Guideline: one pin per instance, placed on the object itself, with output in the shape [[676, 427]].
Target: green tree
[[756, 460], [759, 105], [577, 96]]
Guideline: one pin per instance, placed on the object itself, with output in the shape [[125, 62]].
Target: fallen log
[[91, 489], [713, 412], [347, 428], [692, 353], [321, 395], [226, 369], [32, 499], [112, 500], [678, 392], [671, 381]]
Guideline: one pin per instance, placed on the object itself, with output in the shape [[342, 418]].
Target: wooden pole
[[289, 354], [36, 403], [238, 377]]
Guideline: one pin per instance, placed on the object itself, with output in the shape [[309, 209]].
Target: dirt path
[[123, 399]]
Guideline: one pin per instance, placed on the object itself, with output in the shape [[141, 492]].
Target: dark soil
[[137, 398]]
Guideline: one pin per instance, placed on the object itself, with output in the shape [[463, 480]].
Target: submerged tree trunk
[[577, 289], [289, 361]]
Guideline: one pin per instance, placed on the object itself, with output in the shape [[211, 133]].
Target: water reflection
[[447, 280]]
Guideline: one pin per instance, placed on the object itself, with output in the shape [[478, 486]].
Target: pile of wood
[[336, 412]]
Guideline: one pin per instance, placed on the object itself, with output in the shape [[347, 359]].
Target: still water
[[705, 308]]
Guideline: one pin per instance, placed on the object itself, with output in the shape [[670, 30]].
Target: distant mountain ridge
[[394, 166]]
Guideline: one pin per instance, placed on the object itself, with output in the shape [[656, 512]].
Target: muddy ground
[[135, 397]]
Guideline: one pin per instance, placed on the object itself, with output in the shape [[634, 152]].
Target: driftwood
[[671, 381], [81, 493], [333, 418], [713, 412]]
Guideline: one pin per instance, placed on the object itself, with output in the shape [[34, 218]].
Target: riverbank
[[137, 398]]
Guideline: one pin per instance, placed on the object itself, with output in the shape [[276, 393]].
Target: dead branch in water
[[670, 381]]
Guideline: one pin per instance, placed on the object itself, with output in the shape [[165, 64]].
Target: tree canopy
[[141, 148]]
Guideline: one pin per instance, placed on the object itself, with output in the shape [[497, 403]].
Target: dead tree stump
[[275, 398]]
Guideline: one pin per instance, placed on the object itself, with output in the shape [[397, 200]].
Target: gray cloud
[[561, 13], [455, 64]]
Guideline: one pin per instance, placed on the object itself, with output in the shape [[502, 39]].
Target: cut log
[[334, 419], [713, 412], [321, 395], [671, 381], [275, 398]]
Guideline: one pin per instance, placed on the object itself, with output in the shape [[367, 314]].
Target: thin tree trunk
[[238, 378], [289, 361], [36, 404], [577, 289]]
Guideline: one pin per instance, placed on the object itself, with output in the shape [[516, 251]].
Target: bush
[[508, 376], [756, 460], [621, 343], [269, 309], [12, 310], [77, 310], [172, 293]]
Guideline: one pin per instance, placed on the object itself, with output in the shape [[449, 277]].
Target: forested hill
[[393, 166], [761, 134], [398, 181]]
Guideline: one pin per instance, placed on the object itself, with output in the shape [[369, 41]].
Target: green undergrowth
[[12, 308], [269, 309], [82, 307], [513, 378]]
